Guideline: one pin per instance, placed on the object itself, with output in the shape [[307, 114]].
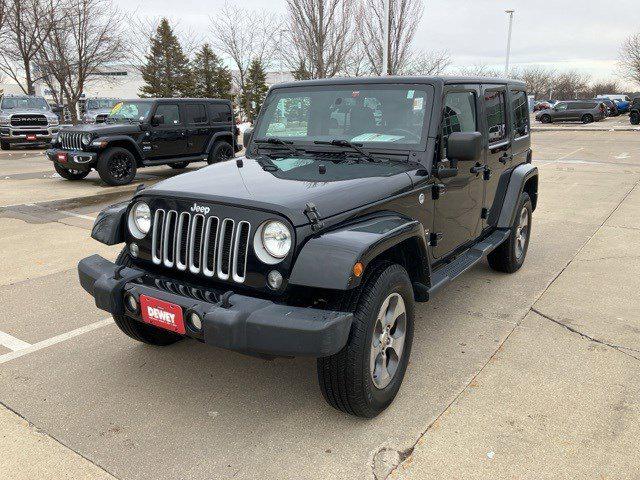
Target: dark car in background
[[612, 107], [585, 111], [147, 132]]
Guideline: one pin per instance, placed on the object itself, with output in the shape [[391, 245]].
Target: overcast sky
[[565, 34]]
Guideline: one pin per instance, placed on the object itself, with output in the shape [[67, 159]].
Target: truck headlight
[[53, 121], [140, 220], [4, 120], [272, 241], [86, 139]]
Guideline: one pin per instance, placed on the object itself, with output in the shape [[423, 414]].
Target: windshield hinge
[[314, 217]]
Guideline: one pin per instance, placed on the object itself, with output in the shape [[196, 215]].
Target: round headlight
[[140, 220], [86, 139], [276, 239]]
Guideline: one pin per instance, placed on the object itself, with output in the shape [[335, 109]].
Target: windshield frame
[[308, 142]]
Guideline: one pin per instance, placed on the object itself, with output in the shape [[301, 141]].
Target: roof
[[19, 95], [434, 80], [149, 99]]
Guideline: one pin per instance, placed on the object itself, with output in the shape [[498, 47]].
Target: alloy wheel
[[120, 166], [387, 343], [522, 232]]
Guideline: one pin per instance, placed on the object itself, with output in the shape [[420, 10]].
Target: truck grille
[[71, 141], [29, 120], [202, 245]]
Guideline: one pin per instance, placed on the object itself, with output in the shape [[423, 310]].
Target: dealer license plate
[[162, 314]]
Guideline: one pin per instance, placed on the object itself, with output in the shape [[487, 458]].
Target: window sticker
[[410, 94], [376, 137], [418, 103]]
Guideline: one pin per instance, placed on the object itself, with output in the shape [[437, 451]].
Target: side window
[[561, 106], [496, 116], [220, 112], [520, 109], [171, 114], [196, 113], [459, 115]]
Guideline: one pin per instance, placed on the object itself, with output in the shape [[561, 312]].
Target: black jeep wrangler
[[146, 132], [356, 199]]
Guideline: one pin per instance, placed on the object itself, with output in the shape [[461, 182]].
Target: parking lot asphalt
[[531, 375]]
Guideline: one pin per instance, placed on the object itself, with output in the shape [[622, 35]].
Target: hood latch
[[314, 217]]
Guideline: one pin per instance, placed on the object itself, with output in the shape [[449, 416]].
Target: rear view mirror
[[246, 137], [464, 146], [157, 120]]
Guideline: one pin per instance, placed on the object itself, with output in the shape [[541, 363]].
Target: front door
[[168, 139], [457, 218], [498, 139], [560, 111]]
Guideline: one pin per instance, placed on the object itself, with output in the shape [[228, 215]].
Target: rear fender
[[523, 175]]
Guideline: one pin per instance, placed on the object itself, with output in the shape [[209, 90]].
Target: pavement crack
[[621, 349]]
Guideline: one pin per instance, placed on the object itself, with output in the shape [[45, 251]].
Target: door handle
[[505, 158]]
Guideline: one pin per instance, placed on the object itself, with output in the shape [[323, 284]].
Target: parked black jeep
[[146, 132], [356, 199], [634, 112]]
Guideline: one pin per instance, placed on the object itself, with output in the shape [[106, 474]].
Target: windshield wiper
[[347, 144], [278, 141]]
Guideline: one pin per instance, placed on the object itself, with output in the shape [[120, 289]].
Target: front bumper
[[242, 323], [73, 159], [29, 136]]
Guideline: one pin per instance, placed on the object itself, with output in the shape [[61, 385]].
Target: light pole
[[385, 37], [506, 65]]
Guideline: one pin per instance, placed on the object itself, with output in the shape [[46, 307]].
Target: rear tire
[[70, 174], [545, 118], [510, 255], [137, 330], [221, 152], [5, 146], [634, 118], [117, 166], [179, 165], [353, 380], [588, 118]]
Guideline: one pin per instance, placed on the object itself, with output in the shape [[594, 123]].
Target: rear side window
[[196, 113], [171, 114], [520, 108], [496, 116], [459, 115], [220, 112]]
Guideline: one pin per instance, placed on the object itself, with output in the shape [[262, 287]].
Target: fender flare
[[220, 136], [519, 177], [121, 138], [362, 241], [110, 224]]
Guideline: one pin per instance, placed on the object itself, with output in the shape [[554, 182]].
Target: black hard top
[[436, 81], [176, 100]]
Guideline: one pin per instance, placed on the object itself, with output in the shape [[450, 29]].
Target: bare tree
[[426, 63], [539, 80], [479, 70], [405, 16], [243, 36], [570, 85], [321, 31], [629, 61], [81, 45], [27, 24], [602, 88], [3, 14]]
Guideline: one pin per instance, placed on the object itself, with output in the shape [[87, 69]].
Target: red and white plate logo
[[162, 314]]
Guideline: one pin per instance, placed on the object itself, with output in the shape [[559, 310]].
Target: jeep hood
[[105, 128], [258, 184]]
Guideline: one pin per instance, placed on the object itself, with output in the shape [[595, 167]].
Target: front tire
[[221, 151], [587, 118], [634, 118], [545, 118], [70, 174], [137, 330], [510, 255], [117, 166], [365, 376]]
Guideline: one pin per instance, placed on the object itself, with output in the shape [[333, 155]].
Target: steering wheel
[[404, 132]]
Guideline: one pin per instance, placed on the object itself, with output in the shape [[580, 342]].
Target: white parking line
[[7, 357], [12, 343], [569, 154]]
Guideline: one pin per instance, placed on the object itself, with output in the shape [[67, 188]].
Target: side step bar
[[167, 161], [466, 260]]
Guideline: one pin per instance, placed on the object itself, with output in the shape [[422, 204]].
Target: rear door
[[168, 140], [221, 118], [498, 141], [197, 125]]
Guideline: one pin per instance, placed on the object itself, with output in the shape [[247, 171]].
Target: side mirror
[[464, 146], [246, 137], [157, 120]]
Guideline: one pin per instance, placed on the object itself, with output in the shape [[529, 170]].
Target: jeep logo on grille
[[200, 209]]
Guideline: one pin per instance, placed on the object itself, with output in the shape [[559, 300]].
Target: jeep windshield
[[371, 115], [130, 111], [24, 103], [101, 104]]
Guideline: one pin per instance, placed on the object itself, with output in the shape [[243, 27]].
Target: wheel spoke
[[388, 338]]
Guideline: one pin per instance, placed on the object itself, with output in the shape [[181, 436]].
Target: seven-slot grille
[[71, 141], [202, 245], [29, 120]]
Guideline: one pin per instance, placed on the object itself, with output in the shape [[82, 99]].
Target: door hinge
[[314, 217], [434, 238], [486, 175], [437, 190], [484, 213]]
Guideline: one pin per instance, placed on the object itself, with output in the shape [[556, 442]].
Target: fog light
[[131, 303], [133, 248], [195, 321], [274, 279]]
